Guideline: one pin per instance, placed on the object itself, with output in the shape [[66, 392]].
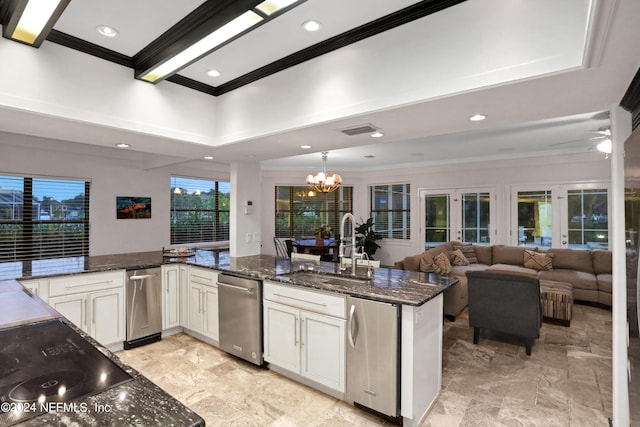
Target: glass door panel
[[587, 218], [535, 218], [475, 217], [437, 219], [457, 214]]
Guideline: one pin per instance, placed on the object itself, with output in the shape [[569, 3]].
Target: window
[[391, 210], [199, 210], [301, 211], [42, 218]]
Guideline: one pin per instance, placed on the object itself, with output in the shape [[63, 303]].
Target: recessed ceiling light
[[208, 157], [478, 117], [123, 145], [107, 31], [305, 146], [377, 134], [311, 25], [213, 73]]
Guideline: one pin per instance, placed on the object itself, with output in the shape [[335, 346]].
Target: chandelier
[[323, 182]]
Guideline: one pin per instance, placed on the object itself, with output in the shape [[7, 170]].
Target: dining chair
[[281, 248], [289, 246]]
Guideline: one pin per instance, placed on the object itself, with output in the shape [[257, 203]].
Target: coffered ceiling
[[545, 74]]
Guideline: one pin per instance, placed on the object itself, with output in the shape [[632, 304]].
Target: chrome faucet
[[352, 243]]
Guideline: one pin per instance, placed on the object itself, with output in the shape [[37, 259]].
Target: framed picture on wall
[[128, 207]]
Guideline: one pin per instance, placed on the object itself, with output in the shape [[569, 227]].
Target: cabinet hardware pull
[[321, 304], [352, 338], [93, 311], [295, 332], [302, 333]]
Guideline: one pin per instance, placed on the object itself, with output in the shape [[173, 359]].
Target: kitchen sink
[[329, 279]]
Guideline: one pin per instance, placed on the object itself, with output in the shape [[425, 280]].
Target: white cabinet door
[[210, 321], [106, 314], [170, 296], [73, 307], [323, 349], [196, 309], [281, 336]]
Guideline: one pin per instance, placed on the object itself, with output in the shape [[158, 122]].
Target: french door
[[561, 216], [464, 215]]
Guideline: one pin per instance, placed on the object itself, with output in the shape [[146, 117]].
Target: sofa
[[588, 271]]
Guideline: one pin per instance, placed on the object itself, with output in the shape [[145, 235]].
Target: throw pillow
[[538, 260], [442, 264], [427, 265], [469, 252], [457, 258]]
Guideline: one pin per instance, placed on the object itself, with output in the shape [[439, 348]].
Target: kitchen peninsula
[[418, 296], [52, 373]]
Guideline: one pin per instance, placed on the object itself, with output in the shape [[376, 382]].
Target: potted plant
[[324, 232], [367, 237]]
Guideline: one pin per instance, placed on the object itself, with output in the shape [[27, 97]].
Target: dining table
[[312, 246]]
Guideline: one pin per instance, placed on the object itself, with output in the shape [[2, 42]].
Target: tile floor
[[565, 382]]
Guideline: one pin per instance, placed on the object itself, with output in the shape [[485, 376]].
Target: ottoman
[[557, 301]]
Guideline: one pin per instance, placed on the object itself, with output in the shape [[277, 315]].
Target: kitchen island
[[418, 296]]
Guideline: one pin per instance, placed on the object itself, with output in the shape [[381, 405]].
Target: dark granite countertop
[[387, 285], [138, 402]]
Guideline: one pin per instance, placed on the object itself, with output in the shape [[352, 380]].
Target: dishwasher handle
[[141, 277], [240, 288]]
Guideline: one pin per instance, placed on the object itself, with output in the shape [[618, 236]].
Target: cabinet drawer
[[314, 301], [203, 276], [88, 282]]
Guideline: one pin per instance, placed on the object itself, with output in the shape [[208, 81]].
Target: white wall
[[56, 81], [112, 173], [583, 168], [245, 220]]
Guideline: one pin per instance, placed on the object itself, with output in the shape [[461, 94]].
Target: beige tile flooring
[[565, 382]]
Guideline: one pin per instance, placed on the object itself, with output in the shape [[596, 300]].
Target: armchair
[[505, 303]]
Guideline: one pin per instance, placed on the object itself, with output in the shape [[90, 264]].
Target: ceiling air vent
[[360, 129]]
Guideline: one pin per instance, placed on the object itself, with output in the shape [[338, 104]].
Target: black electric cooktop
[[49, 362]]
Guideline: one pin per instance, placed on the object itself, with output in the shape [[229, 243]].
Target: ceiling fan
[[603, 135]]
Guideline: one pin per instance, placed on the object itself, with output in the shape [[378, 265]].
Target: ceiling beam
[[204, 20]]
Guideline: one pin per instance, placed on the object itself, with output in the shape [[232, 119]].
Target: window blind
[[391, 210], [301, 212], [199, 210], [42, 218]]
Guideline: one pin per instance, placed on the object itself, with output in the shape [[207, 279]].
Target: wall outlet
[[256, 236], [248, 238]]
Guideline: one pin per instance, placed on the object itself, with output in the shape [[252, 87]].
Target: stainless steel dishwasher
[[144, 307], [240, 316]]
